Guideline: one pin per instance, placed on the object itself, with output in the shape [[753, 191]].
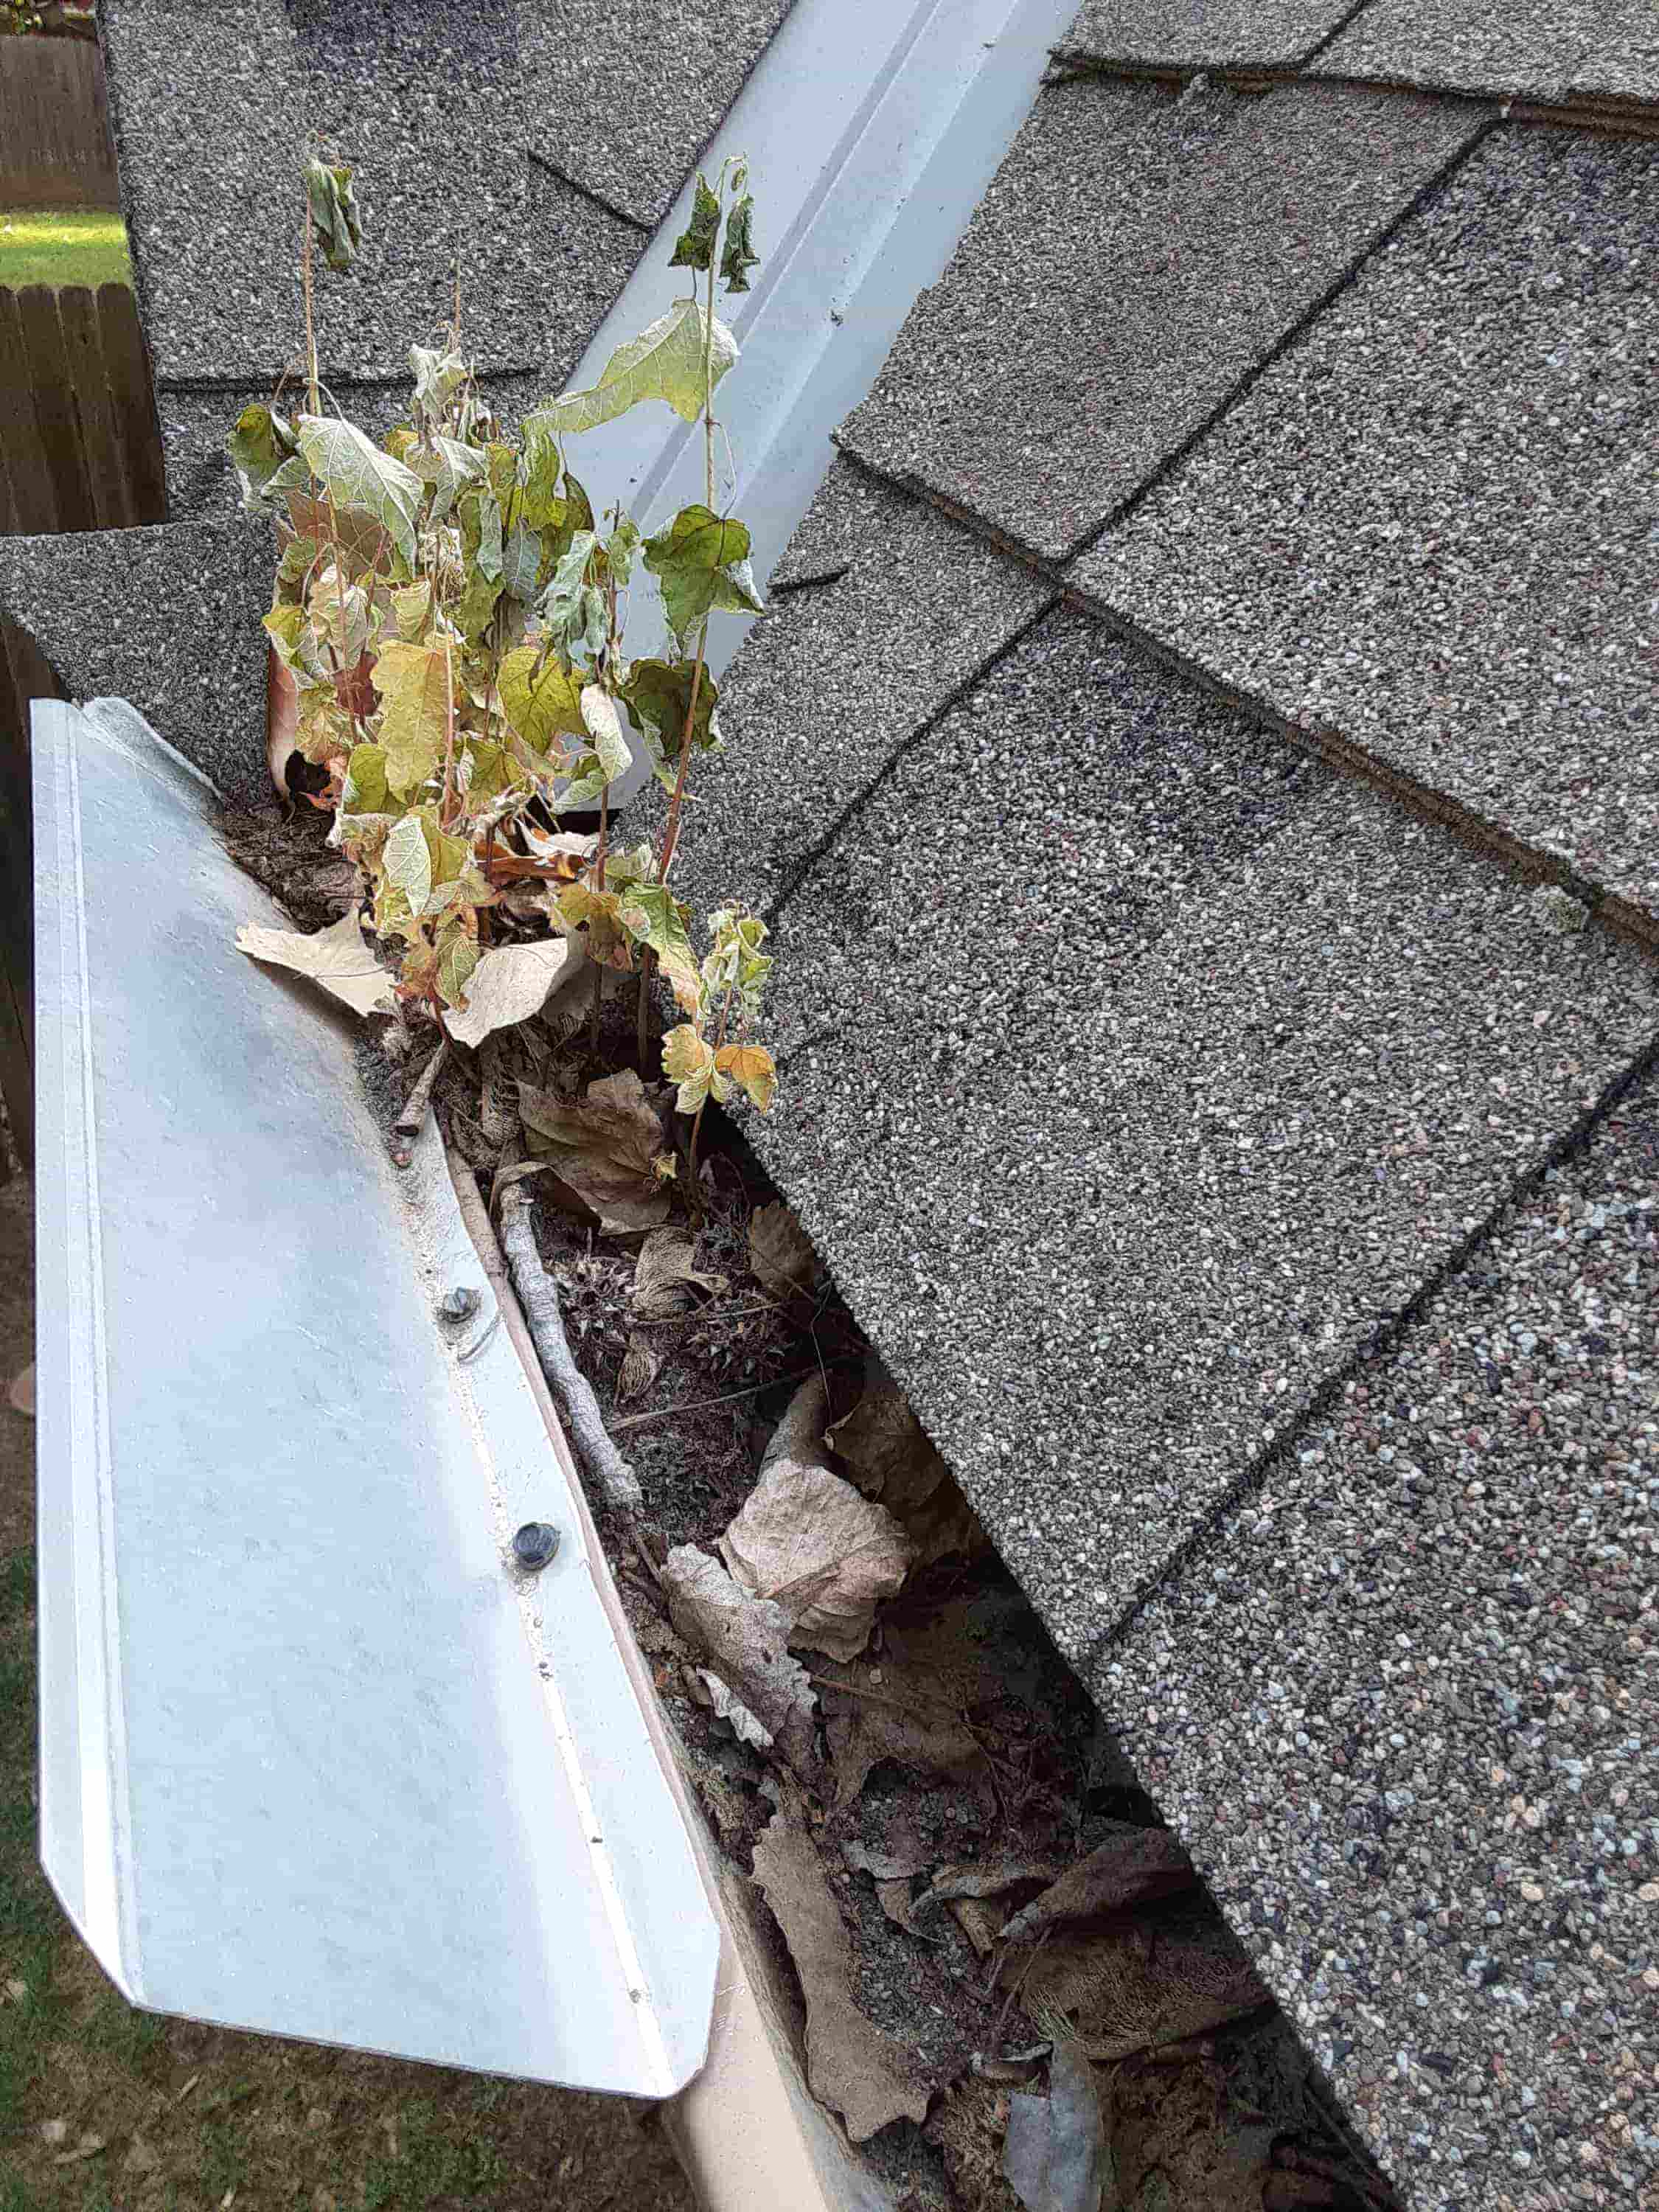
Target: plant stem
[[697, 1119], [311, 328], [599, 881], [671, 833]]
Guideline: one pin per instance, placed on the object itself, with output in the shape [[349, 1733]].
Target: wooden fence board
[[55, 149], [56, 421], [110, 498], [34, 502], [132, 401]]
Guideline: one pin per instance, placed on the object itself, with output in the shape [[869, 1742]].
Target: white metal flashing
[[315, 1760]]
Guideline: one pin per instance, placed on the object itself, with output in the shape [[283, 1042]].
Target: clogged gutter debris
[[1013, 1990]]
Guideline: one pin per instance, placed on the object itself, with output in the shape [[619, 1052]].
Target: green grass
[[74, 245]]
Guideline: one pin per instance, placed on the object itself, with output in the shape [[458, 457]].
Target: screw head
[[534, 1545], [459, 1304]]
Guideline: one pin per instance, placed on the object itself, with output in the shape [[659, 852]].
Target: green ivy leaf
[[695, 248], [520, 562], [666, 362], [702, 560], [355, 470], [335, 220], [657, 694], [541, 703], [539, 502], [620, 548], [653, 915], [739, 256]]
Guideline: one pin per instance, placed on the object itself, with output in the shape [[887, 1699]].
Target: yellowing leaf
[[458, 956], [542, 703], [365, 790], [407, 862], [604, 725], [411, 608], [665, 361], [337, 958], [753, 1067], [413, 682], [689, 1060]]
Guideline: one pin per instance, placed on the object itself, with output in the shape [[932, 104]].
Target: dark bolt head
[[459, 1304], [534, 1545]]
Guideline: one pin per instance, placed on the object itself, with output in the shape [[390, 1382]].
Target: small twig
[[409, 1124], [540, 1296], [700, 1405]]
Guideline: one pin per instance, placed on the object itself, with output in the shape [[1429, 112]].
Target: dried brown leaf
[[603, 1147], [640, 1369], [337, 957], [1141, 1982], [825, 1555], [780, 1252], [866, 2076], [1132, 1866], [746, 1640], [890, 1455], [666, 1273]]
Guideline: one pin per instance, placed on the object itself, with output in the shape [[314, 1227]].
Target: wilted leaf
[[1055, 2157], [458, 956], [438, 375], [522, 557], [753, 1067], [448, 466], [641, 1363], [1132, 1867], [886, 1449], [868, 2076], [702, 562], [939, 1664], [666, 1265], [658, 698], [604, 725], [355, 471], [808, 1540], [665, 361], [406, 862], [603, 1149], [730, 1707], [566, 852], [739, 256], [337, 958], [263, 445], [413, 682], [653, 916], [335, 221], [1133, 1982], [541, 702], [745, 1641], [688, 1060], [695, 247], [510, 983], [779, 1253]]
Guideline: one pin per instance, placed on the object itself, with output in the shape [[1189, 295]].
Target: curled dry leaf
[[890, 1455], [746, 1642], [1132, 1866], [1055, 2157], [666, 1272], [512, 982], [779, 1253], [729, 1706], [937, 1663], [337, 958], [825, 1555], [603, 1148], [1137, 1982], [866, 2076], [640, 1369]]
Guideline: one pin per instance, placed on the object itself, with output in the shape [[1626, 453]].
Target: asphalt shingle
[[167, 617], [835, 679], [425, 104], [1138, 255], [1205, 34], [1151, 1066], [625, 112], [1404, 1706], [1433, 527], [1533, 49]]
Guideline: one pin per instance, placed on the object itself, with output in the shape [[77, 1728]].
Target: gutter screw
[[534, 1545], [459, 1304]]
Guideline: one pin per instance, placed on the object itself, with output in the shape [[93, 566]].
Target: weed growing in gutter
[[450, 607]]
